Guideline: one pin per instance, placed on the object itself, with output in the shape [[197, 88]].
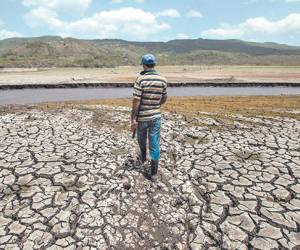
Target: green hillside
[[70, 52]]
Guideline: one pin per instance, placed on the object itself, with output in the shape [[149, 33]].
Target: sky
[[153, 20]]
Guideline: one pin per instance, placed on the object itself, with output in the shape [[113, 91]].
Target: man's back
[[150, 92], [150, 87]]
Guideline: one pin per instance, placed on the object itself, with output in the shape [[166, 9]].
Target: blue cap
[[148, 59]]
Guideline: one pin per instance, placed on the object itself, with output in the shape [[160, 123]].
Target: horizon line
[[135, 41]]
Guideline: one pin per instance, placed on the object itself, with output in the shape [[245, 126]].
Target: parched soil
[[69, 179]]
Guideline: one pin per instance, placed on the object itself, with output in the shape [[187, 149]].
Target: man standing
[[150, 92]]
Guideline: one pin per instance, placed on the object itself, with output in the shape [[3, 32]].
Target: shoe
[[154, 169], [154, 178]]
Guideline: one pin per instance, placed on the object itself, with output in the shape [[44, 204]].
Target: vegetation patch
[[68, 52]]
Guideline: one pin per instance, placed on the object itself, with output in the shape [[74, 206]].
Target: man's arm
[[164, 95], [135, 109], [137, 95], [163, 99], [134, 113]]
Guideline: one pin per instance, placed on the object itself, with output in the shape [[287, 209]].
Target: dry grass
[[229, 105], [283, 106]]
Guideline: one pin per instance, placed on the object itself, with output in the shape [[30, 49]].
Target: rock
[[268, 231], [16, 228], [261, 243], [126, 185], [282, 194]]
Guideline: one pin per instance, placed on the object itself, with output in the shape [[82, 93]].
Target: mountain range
[[54, 51]]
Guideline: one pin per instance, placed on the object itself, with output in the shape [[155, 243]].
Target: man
[[150, 92]]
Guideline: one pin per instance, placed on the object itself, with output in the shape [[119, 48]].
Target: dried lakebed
[[69, 181]]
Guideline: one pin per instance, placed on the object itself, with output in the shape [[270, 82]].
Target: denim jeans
[[150, 129]]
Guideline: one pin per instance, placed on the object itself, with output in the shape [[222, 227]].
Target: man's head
[[148, 61]]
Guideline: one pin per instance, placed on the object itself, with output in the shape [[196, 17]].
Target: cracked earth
[[68, 180]]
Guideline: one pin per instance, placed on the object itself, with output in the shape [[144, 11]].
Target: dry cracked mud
[[68, 180]]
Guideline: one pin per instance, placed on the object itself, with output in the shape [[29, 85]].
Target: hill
[[53, 51]]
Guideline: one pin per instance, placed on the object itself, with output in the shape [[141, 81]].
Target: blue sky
[[153, 20]]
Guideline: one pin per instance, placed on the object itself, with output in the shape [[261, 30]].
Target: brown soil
[[285, 106]]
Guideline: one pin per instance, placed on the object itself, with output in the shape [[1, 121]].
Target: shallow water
[[29, 96]]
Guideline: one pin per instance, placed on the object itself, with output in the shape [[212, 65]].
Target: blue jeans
[[150, 129]]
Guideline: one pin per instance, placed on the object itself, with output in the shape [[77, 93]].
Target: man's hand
[[133, 125]]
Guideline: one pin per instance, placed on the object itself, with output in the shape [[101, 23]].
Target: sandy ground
[[173, 73]]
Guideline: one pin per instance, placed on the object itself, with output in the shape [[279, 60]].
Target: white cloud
[[169, 13], [257, 26], [194, 13], [105, 24], [40, 16], [4, 33], [8, 34], [182, 36], [58, 4], [121, 1], [223, 33]]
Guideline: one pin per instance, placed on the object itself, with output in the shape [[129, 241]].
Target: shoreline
[[177, 75], [129, 85]]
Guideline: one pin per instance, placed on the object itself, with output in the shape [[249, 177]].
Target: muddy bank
[[180, 75], [127, 85]]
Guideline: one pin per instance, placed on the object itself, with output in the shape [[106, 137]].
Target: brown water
[[29, 96]]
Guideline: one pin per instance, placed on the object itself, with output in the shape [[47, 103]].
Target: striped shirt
[[149, 88]]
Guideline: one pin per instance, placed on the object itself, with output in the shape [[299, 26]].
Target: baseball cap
[[148, 59]]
